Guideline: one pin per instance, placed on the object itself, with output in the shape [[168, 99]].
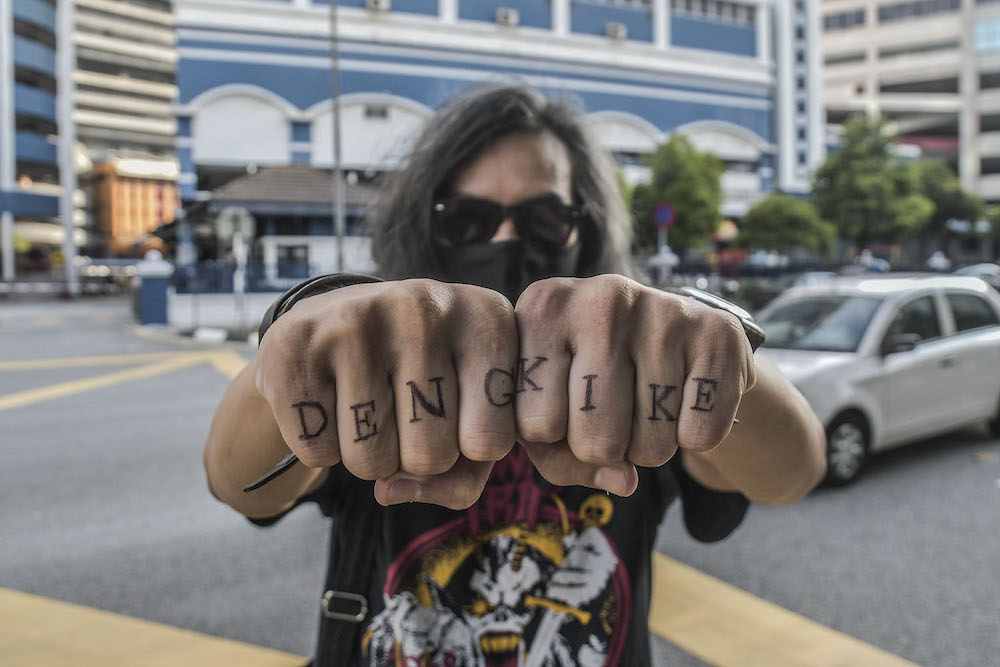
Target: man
[[415, 390]]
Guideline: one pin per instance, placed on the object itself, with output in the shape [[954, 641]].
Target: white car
[[888, 360]]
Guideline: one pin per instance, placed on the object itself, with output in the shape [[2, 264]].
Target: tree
[[939, 184], [688, 180], [866, 191], [784, 223]]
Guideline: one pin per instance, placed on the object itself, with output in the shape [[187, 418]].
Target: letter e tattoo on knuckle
[[364, 415], [705, 394]]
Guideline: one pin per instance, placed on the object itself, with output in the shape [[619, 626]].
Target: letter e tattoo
[[705, 396], [506, 397], [418, 397], [364, 413], [587, 404], [306, 433], [657, 400]]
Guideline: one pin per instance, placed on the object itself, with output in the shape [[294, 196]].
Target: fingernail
[[612, 480], [402, 491]]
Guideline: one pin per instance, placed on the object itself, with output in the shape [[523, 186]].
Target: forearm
[[776, 454], [243, 444]]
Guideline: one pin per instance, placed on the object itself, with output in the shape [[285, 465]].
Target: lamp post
[[339, 214]]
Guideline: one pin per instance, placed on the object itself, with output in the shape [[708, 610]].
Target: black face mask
[[506, 266]]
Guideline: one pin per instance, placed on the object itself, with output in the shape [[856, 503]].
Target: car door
[[911, 382], [975, 347]]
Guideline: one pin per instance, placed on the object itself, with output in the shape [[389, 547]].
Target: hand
[[619, 375], [409, 383]]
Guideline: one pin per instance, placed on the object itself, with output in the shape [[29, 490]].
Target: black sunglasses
[[544, 221]]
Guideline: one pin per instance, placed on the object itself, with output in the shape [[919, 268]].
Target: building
[[932, 67], [131, 198], [739, 78], [30, 78]]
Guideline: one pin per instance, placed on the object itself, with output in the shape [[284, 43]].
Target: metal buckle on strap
[[330, 596]]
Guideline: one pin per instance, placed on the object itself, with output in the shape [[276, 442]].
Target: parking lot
[[103, 503]]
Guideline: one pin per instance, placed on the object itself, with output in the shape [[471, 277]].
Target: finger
[[366, 414], [659, 381], [426, 398], [300, 391], [486, 363], [602, 374], [719, 371], [558, 465], [457, 489], [541, 402]]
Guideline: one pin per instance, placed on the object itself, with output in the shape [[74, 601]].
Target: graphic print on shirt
[[519, 580]]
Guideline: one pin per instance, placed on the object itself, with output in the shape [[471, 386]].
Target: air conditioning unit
[[377, 5], [508, 16], [616, 31]]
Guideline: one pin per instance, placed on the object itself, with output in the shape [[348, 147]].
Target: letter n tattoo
[[306, 433], [418, 397], [658, 399]]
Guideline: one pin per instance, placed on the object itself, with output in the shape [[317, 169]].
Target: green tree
[[688, 180], [866, 191], [784, 223], [939, 184]]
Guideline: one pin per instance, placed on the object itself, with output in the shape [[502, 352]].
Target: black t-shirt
[[531, 574]]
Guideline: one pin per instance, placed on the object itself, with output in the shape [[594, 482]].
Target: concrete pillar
[[65, 64], [7, 244], [561, 17], [661, 23], [765, 50], [968, 118], [448, 11]]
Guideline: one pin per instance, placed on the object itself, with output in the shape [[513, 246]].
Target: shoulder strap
[[357, 530]]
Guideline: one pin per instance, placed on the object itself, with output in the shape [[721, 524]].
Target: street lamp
[[338, 181]]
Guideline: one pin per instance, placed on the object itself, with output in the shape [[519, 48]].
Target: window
[[844, 20], [293, 261], [971, 311], [900, 11], [917, 317], [379, 111], [715, 10]]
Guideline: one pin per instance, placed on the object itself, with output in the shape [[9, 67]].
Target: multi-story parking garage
[[932, 66], [739, 78]]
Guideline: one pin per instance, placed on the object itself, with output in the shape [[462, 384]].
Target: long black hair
[[461, 131]]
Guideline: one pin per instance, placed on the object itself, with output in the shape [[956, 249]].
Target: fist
[[618, 375], [409, 383]]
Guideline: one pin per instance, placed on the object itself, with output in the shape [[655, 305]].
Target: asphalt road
[[103, 502]]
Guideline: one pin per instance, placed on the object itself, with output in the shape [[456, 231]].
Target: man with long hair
[[498, 427]]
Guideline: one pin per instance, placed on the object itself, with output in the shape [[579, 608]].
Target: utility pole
[[339, 213], [65, 64]]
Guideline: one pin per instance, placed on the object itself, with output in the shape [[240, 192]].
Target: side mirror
[[902, 342]]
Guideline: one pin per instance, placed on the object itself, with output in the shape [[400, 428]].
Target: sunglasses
[[543, 221]]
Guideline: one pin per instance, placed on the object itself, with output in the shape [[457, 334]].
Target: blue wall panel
[[713, 35], [29, 204], [301, 131], [533, 13], [592, 19], [34, 55], [36, 12], [184, 126], [34, 148], [429, 7], [300, 158], [35, 102]]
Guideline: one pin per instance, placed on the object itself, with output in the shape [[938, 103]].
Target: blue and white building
[[31, 32], [739, 78]]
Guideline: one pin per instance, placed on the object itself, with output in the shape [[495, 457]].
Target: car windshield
[[829, 323]]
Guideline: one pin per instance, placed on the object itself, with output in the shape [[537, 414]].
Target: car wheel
[[847, 441]]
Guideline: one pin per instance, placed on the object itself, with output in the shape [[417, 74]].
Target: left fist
[[614, 375]]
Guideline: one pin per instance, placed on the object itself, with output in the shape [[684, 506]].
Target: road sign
[[664, 215]]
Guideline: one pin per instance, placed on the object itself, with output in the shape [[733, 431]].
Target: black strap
[[357, 530]]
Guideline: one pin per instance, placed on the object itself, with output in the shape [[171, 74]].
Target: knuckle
[[486, 447], [541, 428], [317, 456], [700, 439], [544, 298], [652, 457], [597, 450], [424, 462]]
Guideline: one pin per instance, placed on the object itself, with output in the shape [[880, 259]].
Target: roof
[[294, 184], [892, 284]]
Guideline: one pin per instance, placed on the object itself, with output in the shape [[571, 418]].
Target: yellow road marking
[[38, 632], [100, 360], [724, 625], [99, 318], [18, 399], [228, 363]]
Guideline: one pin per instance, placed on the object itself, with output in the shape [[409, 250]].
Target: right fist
[[410, 383]]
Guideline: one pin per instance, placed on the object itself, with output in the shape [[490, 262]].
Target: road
[[103, 502]]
